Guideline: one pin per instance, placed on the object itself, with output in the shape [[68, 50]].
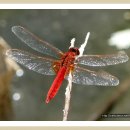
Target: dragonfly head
[[75, 50]]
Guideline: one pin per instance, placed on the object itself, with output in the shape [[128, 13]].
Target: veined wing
[[35, 43], [32, 62], [103, 60], [87, 77]]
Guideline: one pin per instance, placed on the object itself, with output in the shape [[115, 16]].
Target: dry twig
[[69, 86]]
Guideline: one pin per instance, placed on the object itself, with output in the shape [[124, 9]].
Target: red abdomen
[[56, 84]]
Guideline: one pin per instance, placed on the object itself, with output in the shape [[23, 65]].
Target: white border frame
[[65, 123], [64, 6]]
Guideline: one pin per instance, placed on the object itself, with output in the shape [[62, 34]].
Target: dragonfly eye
[[76, 50]]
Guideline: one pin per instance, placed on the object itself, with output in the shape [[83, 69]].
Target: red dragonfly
[[65, 63]]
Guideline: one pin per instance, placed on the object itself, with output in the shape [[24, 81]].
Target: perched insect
[[67, 62]]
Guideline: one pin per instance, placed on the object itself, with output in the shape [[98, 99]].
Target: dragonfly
[[61, 64]]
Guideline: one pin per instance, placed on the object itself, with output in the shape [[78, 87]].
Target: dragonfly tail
[[56, 84]]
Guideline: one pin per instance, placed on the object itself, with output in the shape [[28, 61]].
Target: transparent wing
[[32, 62], [35, 43], [103, 60], [87, 77]]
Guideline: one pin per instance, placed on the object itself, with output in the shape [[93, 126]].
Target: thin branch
[[72, 42], [69, 86], [67, 97], [82, 47]]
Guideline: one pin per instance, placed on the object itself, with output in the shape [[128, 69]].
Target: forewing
[[87, 77], [32, 62], [35, 43], [103, 60]]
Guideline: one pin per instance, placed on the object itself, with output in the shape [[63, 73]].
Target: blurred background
[[23, 92]]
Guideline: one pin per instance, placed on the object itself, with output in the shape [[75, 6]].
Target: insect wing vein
[[35, 43], [103, 60], [87, 77], [32, 62]]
